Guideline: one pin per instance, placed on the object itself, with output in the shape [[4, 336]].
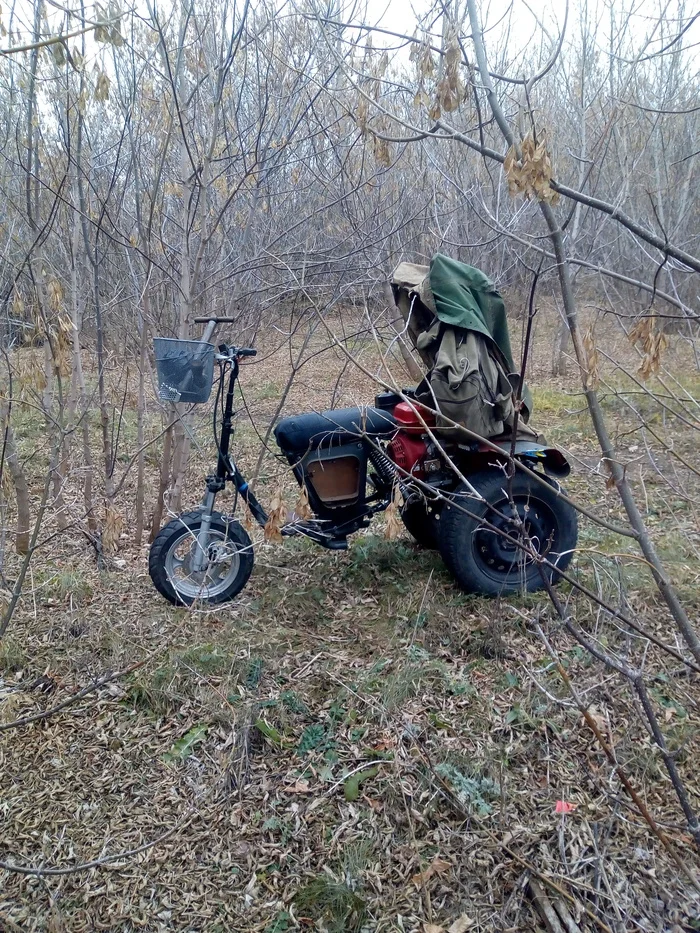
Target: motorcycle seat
[[301, 433]]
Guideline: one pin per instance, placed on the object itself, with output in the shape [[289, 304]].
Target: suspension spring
[[385, 467]]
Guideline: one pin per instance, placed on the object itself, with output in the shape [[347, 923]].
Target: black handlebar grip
[[247, 351], [215, 320]]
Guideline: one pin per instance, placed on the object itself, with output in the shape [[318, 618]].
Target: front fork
[[200, 557], [216, 483]]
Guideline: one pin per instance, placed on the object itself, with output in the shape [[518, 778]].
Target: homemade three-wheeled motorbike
[[471, 477]]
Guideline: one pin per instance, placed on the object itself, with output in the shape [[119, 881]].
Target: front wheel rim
[[220, 570]]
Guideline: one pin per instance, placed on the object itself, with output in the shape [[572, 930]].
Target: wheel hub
[[221, 565], [526, 524]]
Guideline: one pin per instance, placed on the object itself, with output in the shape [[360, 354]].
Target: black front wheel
[[224, 572], [473, 532]]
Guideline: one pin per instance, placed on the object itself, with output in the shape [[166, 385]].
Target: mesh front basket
[[185, 369]]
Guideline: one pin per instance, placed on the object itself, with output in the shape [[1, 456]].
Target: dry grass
[[242, 735]]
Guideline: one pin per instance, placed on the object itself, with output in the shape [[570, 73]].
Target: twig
[[8, 926], [545, 908], [47, 713], [100, 682], [514, 855]]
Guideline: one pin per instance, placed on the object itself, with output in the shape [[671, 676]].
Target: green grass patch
[[548, 401], [333, 903], [395, 565], [12, 655], [182, 675], [267, 391], [61, 584]]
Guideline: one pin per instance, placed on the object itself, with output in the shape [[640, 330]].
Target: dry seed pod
[[652, 343], [277, 518], [302, 509], [248, 520], [435, 112], [55, 290], [393, 517], [111, 530], [532, 173], [362, 114], [102, 87], [421, 99]]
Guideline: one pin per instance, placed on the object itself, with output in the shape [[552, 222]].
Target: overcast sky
[[521, 17], [401, 16]]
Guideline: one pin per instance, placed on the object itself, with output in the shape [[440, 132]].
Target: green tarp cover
[[460, 329], [465, 297]]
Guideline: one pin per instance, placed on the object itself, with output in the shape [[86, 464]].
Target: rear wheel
[[422, 523], [472, 537], [227, 566]]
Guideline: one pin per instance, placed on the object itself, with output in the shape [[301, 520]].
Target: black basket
[[185, 369]]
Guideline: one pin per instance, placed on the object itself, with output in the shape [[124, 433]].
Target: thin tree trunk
[[77, 372], [164, 482], [399, 325], [561, 341], [19, 582], [180, 437], [181, 452], [79, 401], [101, 390], [618, 474], [140, 418], [19, 481]]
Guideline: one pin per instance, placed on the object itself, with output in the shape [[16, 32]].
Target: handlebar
[[235, 352], [215, 320]]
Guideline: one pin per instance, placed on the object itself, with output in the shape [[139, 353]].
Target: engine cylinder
[[408, 452]]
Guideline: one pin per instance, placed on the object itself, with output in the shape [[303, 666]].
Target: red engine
[[408, 417], [408, 449], [408, 453]]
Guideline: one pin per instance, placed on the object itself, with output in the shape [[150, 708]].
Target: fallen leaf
[[299, 787], [269, 732], [184, 747], [351, 788], [438, 866], [432, 928], [600, 720], [460, 925]]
